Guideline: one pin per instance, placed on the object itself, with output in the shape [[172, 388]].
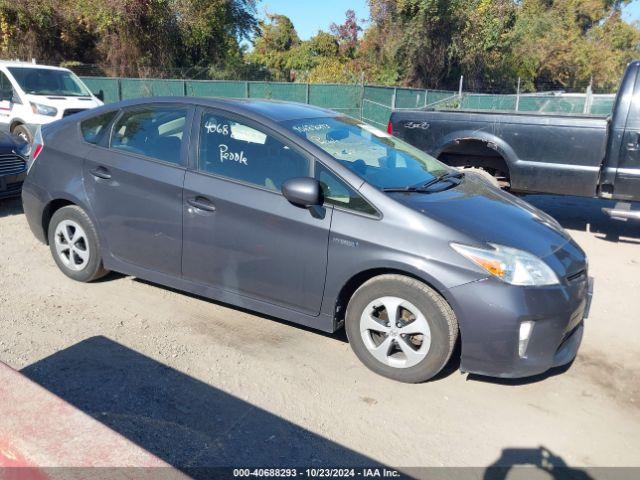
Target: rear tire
[[420, 343], [75, 245], [23, 132]]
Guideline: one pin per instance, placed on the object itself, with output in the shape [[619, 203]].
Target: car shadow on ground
[[585, 214], [338, 335], [185, 422], [10, 206]]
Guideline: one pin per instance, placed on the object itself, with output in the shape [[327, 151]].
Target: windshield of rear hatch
[[43, 81], [381, 159]]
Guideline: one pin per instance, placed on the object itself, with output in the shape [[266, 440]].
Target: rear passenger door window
[[234, 150], [93, 128], [154, 132]]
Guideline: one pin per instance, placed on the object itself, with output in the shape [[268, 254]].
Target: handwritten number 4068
[[217, 128]]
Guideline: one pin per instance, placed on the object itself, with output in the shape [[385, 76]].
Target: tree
[[127, 37], [272, 48], [347, 34]]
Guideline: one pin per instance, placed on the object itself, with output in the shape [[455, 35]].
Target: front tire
[[74, 244], [401, 328], [23, 132]]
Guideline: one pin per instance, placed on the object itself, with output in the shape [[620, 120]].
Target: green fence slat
[[410, 98], [291, 92], [108, 86], [434, 96], [215, 88], [345, 99], [551, 104], [488, 102], [602, 105], [137, 87]]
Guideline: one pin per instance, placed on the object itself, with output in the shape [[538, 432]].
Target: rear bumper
[[490, 313], [34, 201]]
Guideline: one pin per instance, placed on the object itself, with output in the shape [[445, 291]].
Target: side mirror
[[303, 192], [100, 95]]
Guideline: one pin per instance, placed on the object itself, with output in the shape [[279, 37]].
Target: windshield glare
[[43, 81], [379, 158]]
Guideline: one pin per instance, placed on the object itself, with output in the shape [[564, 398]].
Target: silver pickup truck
[[567, 154]]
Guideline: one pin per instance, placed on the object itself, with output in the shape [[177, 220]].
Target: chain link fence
[[372, 104]]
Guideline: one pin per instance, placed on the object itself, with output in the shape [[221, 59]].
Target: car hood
[[485, 214], [62, 102], [10, 142]]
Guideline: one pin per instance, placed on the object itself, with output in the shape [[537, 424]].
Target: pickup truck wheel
[[22, 132], [483, 174], [401, 328]]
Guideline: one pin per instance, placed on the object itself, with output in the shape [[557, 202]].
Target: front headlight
[[509, 264], [40, 109]]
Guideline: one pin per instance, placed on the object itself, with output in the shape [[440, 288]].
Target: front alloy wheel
[[395, 332], [401, 328]]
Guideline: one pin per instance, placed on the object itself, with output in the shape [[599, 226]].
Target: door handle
[[101, 172], [634, 146], [202, 203]]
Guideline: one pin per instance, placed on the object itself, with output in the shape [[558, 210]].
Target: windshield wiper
[[424, 188], [402, 189], [441, 178]]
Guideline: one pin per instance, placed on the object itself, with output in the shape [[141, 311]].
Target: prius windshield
[[45, 81], [379, 158]]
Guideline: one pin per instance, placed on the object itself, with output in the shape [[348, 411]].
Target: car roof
[[18, 63], [274, 110]]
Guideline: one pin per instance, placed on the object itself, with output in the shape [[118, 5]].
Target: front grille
[[12, 188], [11, 164], [71, 111]]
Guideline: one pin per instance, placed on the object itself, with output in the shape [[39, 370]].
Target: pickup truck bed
[[529, 151]]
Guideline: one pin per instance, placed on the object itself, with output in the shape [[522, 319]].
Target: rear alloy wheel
[[401, 328], [74, 244]]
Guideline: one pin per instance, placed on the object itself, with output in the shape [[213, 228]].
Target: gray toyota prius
[[307, 215]]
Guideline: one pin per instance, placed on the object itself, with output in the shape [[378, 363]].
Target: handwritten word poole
[[225, 154]]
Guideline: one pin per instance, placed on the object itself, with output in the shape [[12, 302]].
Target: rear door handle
[[634, 146], [101, 172], [202, 203]]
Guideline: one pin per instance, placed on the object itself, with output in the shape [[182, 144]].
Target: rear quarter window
[[93, 128]]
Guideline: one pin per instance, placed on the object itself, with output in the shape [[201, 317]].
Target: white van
[[32, 95]]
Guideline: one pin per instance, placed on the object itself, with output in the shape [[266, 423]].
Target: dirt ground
[[199, 383]]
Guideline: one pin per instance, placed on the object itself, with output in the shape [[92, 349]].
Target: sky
[[309, 16], [632, 11]]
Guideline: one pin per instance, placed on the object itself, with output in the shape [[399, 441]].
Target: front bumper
[[11, 185], [490, 313]]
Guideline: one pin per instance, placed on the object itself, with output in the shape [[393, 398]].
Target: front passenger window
[[337, 192], [152, 132]]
